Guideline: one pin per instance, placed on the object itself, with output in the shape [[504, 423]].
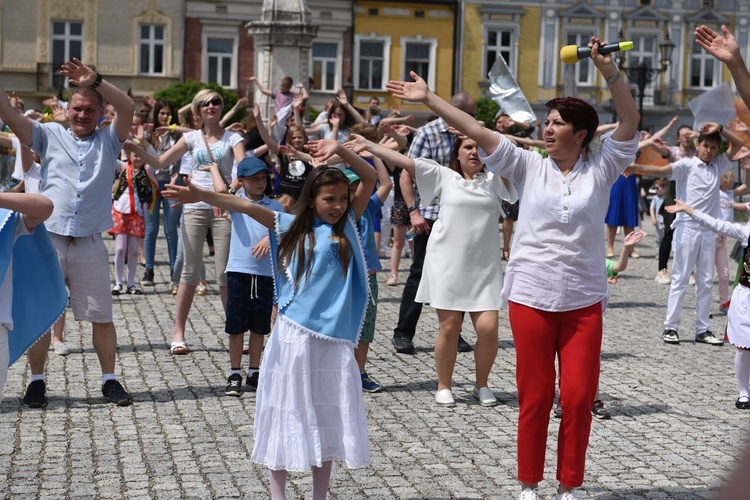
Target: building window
[[324, 60], [371, 59], [704, 72], [220, 56], [584, 69], [67, 43], [152, 46], [500, 43], [419, 55]]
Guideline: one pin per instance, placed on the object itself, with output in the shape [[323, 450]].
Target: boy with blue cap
[[249, 277]]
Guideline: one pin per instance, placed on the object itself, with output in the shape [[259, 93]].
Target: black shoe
[[148, 278], [234, 385], [742, 403], [599, 411], [252, 381], [708, 338], [403, 345], [114, 392], [35, 396], [670, 337], [464, 346]]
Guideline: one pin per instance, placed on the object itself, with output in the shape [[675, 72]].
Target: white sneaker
[[566, 496], [663, 278], [529, 494], [444, 397], [485, 396], [61, 349]]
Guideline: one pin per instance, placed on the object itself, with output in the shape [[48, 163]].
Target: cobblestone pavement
[[674, 433]]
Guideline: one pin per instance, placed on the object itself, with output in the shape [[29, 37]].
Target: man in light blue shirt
[[78, 169]]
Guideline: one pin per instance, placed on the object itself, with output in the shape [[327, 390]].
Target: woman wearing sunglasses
[[214, 152]]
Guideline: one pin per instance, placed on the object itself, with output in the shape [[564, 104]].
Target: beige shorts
[[85, 267], [195, 224]]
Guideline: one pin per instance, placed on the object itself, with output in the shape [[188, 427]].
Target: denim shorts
[[249, 303]]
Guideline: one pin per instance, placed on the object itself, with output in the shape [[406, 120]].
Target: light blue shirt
[[77, 175], [326, 303], [246, 233]]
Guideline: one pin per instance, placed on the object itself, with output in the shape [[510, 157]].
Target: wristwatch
[[412, 208]]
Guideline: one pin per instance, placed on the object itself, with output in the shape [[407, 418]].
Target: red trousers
[[575, 337]]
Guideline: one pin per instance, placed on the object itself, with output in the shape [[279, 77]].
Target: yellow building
[[529, 35], [393, 38]]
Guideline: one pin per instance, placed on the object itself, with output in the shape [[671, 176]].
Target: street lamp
[[642, 75]]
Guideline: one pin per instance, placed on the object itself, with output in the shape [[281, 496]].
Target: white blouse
[[557, 257]]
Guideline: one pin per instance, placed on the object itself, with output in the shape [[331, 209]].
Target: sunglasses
[[215, 101]]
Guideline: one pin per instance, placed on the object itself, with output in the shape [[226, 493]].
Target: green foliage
[[180, 94], [486, 111], [313, 114]]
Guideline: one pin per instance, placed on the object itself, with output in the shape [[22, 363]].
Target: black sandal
[[117, 289], [132, 290]]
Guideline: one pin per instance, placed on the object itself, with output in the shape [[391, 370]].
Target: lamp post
[[642, 74]]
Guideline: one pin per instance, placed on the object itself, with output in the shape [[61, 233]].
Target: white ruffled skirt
[[309, 406], [738, 317]]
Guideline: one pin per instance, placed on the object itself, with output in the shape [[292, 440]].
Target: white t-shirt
[[726, 202], [557, 257], [6, 288], [698, 185], [32, 179], [223, 154], [18, 167]]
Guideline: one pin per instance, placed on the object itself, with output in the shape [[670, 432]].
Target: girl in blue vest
[[309, 408]]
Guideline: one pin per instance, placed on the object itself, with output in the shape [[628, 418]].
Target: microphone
[[571, 54]]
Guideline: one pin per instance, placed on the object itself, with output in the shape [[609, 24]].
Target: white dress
[[462, 267], [309, 407], [738, 316]]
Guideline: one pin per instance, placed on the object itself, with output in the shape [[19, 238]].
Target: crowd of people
[[299, 215]]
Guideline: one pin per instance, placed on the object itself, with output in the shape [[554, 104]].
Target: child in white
[[728, 206], [694, 246], [309, 408], [738, 317]]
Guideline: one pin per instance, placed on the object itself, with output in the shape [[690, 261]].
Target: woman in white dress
[[462, 268]]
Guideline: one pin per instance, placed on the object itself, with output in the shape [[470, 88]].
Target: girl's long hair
[[301, 229], [155, 139], [349, 120]]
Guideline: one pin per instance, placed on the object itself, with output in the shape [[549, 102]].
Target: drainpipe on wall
[[458, 46]]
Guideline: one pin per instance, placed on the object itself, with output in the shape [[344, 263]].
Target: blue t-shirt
[[246, 233], [367, 233]]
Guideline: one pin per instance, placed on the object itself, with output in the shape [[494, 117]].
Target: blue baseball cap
[[250, 166]]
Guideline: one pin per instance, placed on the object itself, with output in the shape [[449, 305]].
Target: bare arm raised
[[81, 75], [727, 50]]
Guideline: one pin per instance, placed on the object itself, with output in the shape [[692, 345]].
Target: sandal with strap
[[178, 348], [117, 289], [132, 290]]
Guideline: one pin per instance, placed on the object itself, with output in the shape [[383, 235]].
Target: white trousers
[[694, 248]]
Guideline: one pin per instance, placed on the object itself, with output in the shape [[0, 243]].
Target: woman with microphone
[[555, 281]]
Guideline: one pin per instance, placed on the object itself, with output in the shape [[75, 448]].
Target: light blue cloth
[[39, 293], [326, 303], [246, 233], [77, 175]]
